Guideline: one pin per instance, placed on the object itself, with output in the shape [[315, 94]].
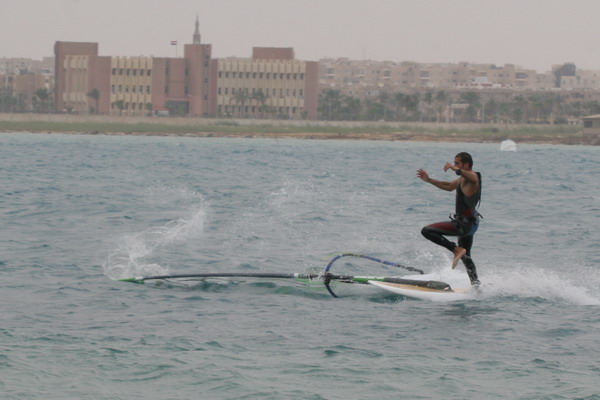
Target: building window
[[133, 89], [141, 89], [148, 89], [220, 73], [112, 89], [219, 91], [134, 72], [148, 72], [114, 71]]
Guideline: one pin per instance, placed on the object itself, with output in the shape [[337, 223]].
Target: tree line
[[442, 106], [425, 106], [15, 102]]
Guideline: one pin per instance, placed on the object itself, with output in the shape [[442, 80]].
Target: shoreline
[[306, 130], [406, 137]]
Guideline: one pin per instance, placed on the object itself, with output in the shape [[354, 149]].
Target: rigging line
[[337, 257], [379, 260]]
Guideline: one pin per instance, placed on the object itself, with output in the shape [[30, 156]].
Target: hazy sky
[[530, 33]]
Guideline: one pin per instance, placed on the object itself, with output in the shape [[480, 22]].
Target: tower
[[196, 39]]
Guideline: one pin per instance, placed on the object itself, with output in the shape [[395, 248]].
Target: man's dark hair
[[465, 158]]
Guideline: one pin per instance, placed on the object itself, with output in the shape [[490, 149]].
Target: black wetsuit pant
[[436, 233]]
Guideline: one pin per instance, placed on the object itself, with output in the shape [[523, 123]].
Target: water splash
[[136, 253], [541, 283]]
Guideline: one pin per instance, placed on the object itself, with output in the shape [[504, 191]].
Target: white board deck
[[423, 293]]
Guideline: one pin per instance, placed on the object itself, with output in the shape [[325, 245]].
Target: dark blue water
[[79, 212]]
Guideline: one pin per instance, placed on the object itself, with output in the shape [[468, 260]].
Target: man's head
[[461, 160]]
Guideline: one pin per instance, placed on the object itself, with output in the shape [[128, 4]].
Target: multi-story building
[[29, 83], [87, 82], [271, 83], [358, 78], [582, 80]]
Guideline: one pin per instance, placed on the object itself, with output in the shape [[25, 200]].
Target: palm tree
[[428, 100], [441, 103], [241, 96], [351, 108], [398, 100], [94, 94], [260, 97], [43, 95], [473, 100], [120, 104], [330, 103]]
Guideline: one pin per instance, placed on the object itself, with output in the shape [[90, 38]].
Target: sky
[[532, 34]]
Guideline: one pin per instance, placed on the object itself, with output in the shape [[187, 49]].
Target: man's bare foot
[[459, 253]]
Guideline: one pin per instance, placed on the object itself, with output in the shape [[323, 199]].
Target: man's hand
[[423, 175], [448, 166]]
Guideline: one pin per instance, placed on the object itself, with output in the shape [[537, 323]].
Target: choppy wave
[[81, 211]]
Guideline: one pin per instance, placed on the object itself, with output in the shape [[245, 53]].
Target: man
[[466, 220]]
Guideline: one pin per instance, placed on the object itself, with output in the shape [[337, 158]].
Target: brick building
[[270, 84], [87, 82]]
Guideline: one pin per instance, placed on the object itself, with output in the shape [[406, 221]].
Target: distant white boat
[[508, 145]]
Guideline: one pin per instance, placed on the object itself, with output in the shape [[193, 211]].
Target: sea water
[[79, 212]]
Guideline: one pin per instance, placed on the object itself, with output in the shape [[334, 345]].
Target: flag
[[173, 42]]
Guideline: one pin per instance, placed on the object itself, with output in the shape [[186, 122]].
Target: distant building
[[271, 84], [591, 124], [358, 77], [87, 82], [26, 85]]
